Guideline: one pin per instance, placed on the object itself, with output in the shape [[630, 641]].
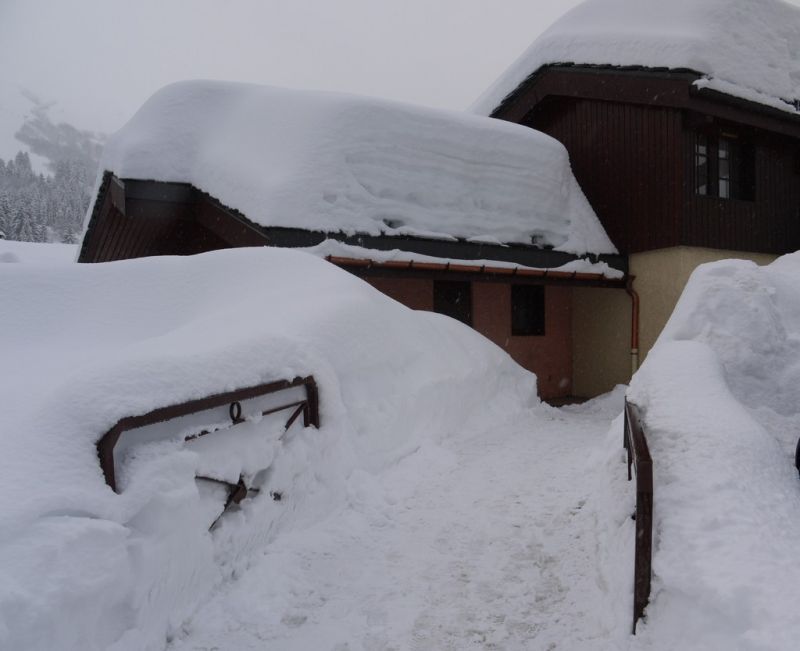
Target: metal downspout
[[634, 324]]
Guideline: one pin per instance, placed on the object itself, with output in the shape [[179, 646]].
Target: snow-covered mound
[[340, 163], [746, 48], [84, 345], [27, 252], [721, 397]]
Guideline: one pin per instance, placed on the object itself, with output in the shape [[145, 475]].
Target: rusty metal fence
[[635, 444], [308, 406]]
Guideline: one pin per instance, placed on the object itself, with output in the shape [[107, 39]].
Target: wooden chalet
[[680, 168]]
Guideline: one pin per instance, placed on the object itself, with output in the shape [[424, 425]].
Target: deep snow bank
[[83, 345], [338, 163], [721, 397], [52, 253], [746, 48]]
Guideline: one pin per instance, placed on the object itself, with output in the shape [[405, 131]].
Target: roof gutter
[[485, 271]]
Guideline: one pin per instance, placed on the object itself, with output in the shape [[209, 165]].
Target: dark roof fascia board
[[674, 88], [529, 256], [150, 190], [511, 101], [737, 109]]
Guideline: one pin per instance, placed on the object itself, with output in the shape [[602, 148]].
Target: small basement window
[[454, 299], [724, 167], [527, 310]]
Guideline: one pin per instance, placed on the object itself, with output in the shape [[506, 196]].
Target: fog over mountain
[[49, 205]]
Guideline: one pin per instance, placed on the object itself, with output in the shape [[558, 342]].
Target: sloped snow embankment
[[84, 345], [721, 397]]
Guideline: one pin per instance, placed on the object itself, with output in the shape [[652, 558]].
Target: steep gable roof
[[748, 49]]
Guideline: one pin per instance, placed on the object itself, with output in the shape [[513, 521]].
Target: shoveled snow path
[[480, 542]]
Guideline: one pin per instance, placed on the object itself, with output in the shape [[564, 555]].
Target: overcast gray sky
[[100, 59]]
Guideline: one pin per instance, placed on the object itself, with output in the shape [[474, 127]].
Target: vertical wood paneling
[[165, 228], [625, 158], [769, 224], [635, 163]]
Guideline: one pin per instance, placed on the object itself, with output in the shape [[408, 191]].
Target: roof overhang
[[662, 87], [133, 196]]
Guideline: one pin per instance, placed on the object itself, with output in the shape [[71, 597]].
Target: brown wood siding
[[165, 228], [118, 237], [628, 161], [630, 135], [770, 223]]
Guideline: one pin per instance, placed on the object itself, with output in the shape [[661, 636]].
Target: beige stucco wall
[[601, 334], [601, 318], [661, 276]]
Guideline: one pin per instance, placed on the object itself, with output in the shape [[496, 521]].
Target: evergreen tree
[[39, 207]]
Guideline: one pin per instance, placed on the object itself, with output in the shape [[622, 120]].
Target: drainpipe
[[634, 324]]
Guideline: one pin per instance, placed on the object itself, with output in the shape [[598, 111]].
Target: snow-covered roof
[[745, 48], [338, 163]]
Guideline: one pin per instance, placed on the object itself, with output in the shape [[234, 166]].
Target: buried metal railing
[[308, 407], [639, 456]]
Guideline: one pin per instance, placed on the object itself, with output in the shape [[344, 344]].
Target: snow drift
[[746, 48], [339, 163], [84, 345], [721, 398]]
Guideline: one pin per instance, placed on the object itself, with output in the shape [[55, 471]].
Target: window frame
[[441, 305], [528, 299], [723, 166]]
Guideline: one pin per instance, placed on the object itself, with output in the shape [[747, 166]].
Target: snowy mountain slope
[[83, 345], [340, 163], [746, 48], [721, 396]]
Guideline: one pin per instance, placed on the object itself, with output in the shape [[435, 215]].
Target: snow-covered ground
[[488, 539], [85, 345], [721, 396], [440, 506], [50, 254]]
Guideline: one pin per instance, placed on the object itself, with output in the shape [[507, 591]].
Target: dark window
[[701, 165], [453, 299], [724, 155], [724, 167], [527, 310]]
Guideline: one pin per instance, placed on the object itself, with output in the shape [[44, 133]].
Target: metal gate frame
[[309, 408]]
